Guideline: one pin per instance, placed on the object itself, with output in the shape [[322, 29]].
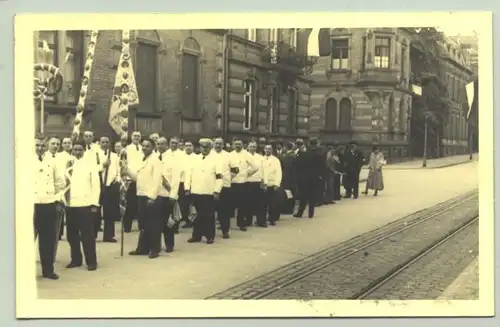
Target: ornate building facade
[[361, 90], [190, 82]]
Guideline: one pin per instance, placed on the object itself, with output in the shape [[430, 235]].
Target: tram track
[[281, 283]]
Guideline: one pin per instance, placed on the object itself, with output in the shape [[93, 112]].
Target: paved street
[[465, 286], [196, 271]]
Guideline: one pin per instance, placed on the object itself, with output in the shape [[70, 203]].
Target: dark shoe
[[169, 249], [127, 230], [262, 225], [297, 215], [52, 276], [364, 193], [111, 240], [225, 235], [135, 252], [91, 267], [243, 229], [153, 255], [272, 223], [73, 265], [194, 240], [210, 241]]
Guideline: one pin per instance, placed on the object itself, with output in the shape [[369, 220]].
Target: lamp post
[[426, 118]]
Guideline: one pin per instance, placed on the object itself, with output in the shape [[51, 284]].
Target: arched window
[[146, 70], [331, 113], [190, 81], [345, 114], [274, 109], [248, 104]]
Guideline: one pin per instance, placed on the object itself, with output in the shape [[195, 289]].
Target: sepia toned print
[[334, 163]]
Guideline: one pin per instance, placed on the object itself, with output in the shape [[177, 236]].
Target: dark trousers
[[352, 184], [256, 204], [184, 202], [80, 233], [330, 186], [151, 226], [61, 228], [204, 225], [131, 211], [336, 187], [166, 210], [240, 201], [110, 200], [308, 191], [45, 222], [223, 208], [272, 203]]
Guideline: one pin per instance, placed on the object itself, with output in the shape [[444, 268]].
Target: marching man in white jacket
[[149, 179], [82, 204], [47, 184], [272, 180], [168, 196], [204, 184]]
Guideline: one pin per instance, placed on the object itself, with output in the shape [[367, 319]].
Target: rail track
[[273, 284], [377, 284]]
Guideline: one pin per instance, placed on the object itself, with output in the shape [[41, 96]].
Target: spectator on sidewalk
[[375, 179]]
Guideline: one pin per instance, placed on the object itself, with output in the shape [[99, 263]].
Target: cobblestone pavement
[[466, 285], [347, 277], [195, 271], [428, 277]]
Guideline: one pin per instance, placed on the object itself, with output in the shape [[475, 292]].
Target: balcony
[[282, 56]]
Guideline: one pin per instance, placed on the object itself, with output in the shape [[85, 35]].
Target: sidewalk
[[417, 164], [196, 271]]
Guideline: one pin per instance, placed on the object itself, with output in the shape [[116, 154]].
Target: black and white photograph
[[281, 163]]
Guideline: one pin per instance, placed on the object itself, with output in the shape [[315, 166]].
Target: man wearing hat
[[289, 180], [353, 161], [204, 184]]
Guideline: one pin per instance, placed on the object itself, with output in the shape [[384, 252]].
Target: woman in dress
[[375, 179]]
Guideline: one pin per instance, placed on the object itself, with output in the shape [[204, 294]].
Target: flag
[[125, 89], [318, 43], [472, 93]]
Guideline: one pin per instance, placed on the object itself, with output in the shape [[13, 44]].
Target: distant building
[[190, 82], [442, 67], [361, 90]]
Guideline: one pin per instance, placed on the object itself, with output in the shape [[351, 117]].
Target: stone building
[[191, 83], [361, 90], [451, 66]]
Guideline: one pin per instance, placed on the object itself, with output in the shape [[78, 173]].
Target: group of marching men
[[81, 183]]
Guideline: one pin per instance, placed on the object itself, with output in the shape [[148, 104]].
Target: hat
[[353, 142], [206, 142]]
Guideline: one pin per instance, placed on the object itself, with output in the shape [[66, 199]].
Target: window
[[63, 49], [248, 105], [382, 52], [190, 88], [292, 37], [252, 34], [340, 54], [331, 114], [145, 73], [345, 114], [363, 54], [73, 65], [292, 103], [273, 35], [403, 61]]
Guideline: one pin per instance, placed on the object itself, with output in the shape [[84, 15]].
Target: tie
[[40, 157], [161, 157], [145, 157], [137, 147], [53, 155], [203, 158]]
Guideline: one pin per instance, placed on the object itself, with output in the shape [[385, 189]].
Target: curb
[[436, 167]]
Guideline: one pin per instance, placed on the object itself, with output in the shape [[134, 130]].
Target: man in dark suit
[[353, 161], [310, 165], [289, 180]]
